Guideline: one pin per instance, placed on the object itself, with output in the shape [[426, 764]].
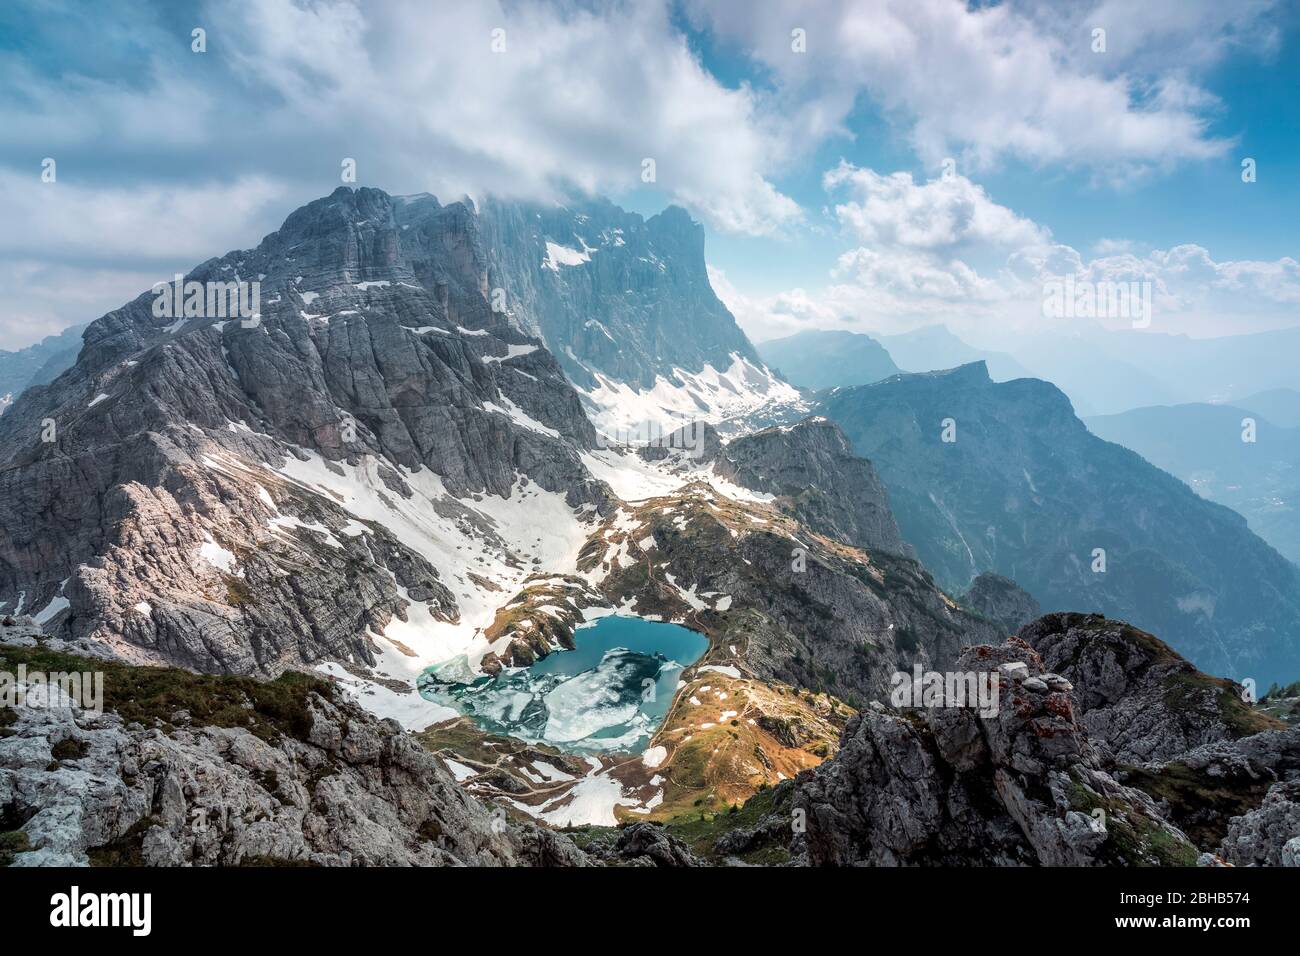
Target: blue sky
[[816, 172], [1204, 202]]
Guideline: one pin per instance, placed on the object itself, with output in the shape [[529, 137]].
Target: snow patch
[[681, 397], [558, 255]]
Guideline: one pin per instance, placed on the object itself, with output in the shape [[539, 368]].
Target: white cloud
[[67, 220], [413, 92], [575, 98], [944, 251], [1156, 36], [949, 213], [581, 96], [1108, 247], [988, 83], [772, 316], [43, 298], [81, 251]]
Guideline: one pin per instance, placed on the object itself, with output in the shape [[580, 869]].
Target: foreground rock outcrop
[[1034, 780], [1135, 694], [948, 785], [1193, 742], [181, 769], [1270, 834]]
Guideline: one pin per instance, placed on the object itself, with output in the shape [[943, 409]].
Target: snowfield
[[623, 412]]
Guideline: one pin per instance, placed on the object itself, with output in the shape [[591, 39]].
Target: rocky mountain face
[[1268, 835], [1145, 701], [1221, 769], [1207, 447], [777, 600], [820, 359], [382, 466], [951, 786], [779, 546], [1039, 780], [811, 470], [1002, 601], [610, 292], [357, 475], [182, 770], [163, 496], [808, 470], [626, 306], [1023, 489]]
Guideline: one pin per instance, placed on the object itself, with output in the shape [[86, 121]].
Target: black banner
[[307, 905]]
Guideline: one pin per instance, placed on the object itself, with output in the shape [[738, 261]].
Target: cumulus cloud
[[74, 222], [167, 154], [944, 251], [771, 317], [82, 251], [950, 212], [1159, 36], [989, 82], [532, 100]]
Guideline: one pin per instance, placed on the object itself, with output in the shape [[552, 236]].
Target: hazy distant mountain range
[[1106, 372], [39, 363], [817, 359], [1103, 373], [823, 359], [1204, 446], [1022, 488]]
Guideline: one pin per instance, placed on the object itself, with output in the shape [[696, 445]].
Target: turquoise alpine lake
[[607, 695]]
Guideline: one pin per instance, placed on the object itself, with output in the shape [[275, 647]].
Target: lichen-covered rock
[[954, 786], [352, 791], [1269, 835], [1136, 696]]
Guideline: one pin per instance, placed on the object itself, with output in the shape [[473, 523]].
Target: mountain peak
[[674, 217], [615, 297], [972, 373], [1004, 477]]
